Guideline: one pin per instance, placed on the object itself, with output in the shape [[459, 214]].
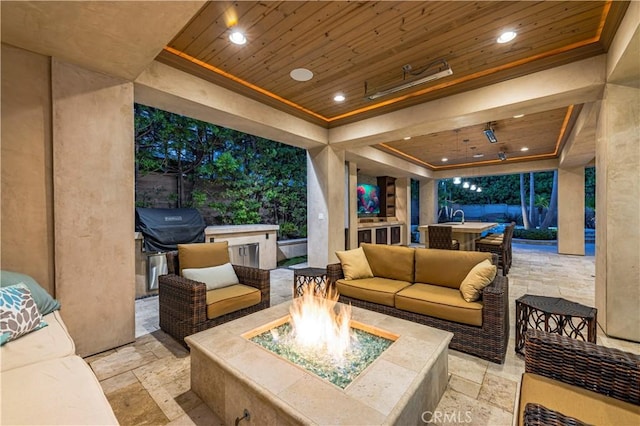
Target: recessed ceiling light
[[339, 97], [506, 36], [406, 138], [518, 116], [478, 155], [524, 148], [237, 37], [301, 74], [444, 160]]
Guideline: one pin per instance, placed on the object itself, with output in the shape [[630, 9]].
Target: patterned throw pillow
[[19, 314]]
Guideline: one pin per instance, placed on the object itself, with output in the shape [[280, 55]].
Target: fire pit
[[327, 343], [231, 374]]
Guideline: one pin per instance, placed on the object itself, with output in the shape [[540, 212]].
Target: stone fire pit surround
[[231, 374]]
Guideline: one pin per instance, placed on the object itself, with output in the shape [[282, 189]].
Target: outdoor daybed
[[423, 285], [43, 381]]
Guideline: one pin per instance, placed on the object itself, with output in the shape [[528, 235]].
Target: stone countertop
[[230, 229], [467, 227], [379, 224], [238, 229]]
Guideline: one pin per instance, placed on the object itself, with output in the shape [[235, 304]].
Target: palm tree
[[553, 204], [523, 205]]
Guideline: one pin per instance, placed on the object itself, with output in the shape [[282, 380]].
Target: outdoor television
[[368, 201]]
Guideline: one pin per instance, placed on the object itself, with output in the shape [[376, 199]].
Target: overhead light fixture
[[479, 189], [478, 155], [457, 181], [518, 116], [339, 97], [488, 132], [473, 187], [406, 138], [524, 148], [506, 37], [407, 70], [237, 37], [444, 160], [465, 185], [502, 156]]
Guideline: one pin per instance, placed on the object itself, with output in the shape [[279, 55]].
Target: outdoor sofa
[[43, 380], [572, 382], [423, 286]]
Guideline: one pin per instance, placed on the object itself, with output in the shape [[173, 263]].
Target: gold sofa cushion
[[354, 264], [225, 300], [445, 267], [392, 262], [439, 302], [376, 290], [477, 279], [585, 405], [202, 255]]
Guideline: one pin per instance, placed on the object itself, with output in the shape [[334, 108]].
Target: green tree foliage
[[236, 178]]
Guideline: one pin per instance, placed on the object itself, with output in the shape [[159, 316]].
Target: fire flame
[[316, 325]]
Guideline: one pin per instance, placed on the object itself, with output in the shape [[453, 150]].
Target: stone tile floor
[[147, 382]]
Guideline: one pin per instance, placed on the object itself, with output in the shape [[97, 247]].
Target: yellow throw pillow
[[354, 264], [477, 279]]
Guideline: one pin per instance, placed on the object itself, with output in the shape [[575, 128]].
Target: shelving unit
[[387, 187]]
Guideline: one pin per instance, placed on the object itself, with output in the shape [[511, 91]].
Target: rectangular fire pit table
[[232, 374]]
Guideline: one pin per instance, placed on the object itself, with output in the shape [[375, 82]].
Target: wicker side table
[[315, 276], [554, 315]]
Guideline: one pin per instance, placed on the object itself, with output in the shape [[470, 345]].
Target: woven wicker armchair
[[499, 244], [183, 304], [605, 371], [440, 238]]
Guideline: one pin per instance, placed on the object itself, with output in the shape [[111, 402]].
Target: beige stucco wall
[[93, 205], [428, 204], [618, 212], [571, 211], [27, 214]]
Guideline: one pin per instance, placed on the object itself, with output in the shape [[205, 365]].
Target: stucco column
[[403, 207], [352, 204], [618, 213], [94, 206], [428, 204], [571, 211], [325, 205]]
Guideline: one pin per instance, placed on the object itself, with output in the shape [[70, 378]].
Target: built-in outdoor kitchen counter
[[251, 245], [381, 231]]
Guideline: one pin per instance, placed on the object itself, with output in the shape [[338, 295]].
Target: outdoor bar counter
[[466, 233]]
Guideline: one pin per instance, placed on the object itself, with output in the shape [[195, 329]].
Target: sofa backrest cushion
[[393, 262], [447, 268], [46, 304]]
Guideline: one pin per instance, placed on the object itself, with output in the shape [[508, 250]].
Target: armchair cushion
[[214, 276], [573, 401], [354, 264], [202, 255], [477, 279], [230, 299]]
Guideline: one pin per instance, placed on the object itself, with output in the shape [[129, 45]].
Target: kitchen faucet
[[456, 212]]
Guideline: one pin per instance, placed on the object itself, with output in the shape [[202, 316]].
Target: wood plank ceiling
[[346, 44]]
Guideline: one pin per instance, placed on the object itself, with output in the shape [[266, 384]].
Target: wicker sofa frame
[[607, 371], [487, 342], [182, 302]]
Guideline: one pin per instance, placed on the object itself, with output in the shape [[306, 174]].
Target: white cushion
[[52, 341], [214, 276], [62, 391]]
